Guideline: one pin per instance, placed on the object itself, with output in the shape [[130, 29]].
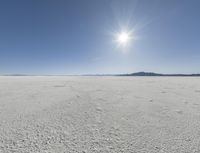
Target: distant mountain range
[[155, 74]]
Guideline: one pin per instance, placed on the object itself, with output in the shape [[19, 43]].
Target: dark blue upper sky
[[76, 36]]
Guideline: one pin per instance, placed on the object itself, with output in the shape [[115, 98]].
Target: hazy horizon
[[63, 37]]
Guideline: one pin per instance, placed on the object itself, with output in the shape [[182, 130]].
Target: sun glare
[[123, 38]]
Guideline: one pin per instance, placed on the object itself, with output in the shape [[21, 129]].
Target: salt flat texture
[[99, 114]]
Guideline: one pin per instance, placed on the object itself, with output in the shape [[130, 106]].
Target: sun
[[123, 38]]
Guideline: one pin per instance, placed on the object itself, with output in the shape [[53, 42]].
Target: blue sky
[[76, 36]]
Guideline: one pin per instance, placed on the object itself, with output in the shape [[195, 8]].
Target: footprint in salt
[[179, 111], [151, 100], [99, 109]]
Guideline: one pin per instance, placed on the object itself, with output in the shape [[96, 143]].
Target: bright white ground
[[99, 114]]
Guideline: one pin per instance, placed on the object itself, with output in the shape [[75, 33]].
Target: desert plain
[[99, 114]]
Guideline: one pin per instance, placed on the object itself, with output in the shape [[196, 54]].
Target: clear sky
[[78, 36]]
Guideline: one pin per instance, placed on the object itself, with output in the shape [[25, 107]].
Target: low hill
[[156, 74]]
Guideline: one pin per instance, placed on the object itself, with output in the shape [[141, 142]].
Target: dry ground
[[99, 114]]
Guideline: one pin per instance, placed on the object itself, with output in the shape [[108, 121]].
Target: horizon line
[[140, 73]]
